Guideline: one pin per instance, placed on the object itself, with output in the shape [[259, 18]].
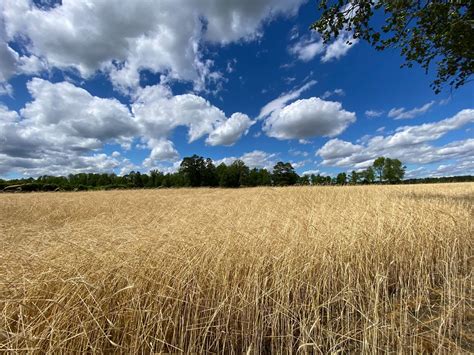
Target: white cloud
[[402, 113], [408, 143], [161, 150], [65, 120], [298, 153], [374, 113], [8, 57], [336, 148], [6, 89], [336, 92], [63, 110], [127, 37], [158, 113], [7, 116], [254, 159], [278, 103], [230, 68], [310, 46], [307, 48], [339, 47], [299, 164], [459, 168], [61, 130], [63, 117], [59, 164], [456, 168], [230, 130], [308, 118], [311, 172]]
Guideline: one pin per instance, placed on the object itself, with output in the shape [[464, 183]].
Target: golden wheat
[[305, 269]]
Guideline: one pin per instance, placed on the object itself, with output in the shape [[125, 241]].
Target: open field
[[308, 269]]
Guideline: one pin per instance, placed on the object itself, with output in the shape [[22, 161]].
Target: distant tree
[[193, 169], [259, 177], [209, 175], [264, 177], [341, 179], [221, 172], [368, 175], [393, 170], [428, 31], [378, 167], [104, 180], [284, 174], [320, 180], [135, 179], [156, 178], [354, 178], [235, 175], [304, 180]]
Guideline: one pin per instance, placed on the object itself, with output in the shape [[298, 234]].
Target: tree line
[[197, 171]]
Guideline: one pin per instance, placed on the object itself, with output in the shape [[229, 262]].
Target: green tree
[[234, 175], [209, 175], [284, 174], [426, 32], [368, 175], [264, 177], [135, 179], [259, 177], [104, 180], [193, 169], [393, 170], [304, 180], [156, 178], [378, 167], [341, 179], [221, 171], [354, 178]]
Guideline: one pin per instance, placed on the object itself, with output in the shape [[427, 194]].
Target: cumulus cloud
[[408, 143], [230, 130], [278, 103], [8, 57], [61, 163], [308, 118], [64, 111], [123, 39], [64, 127], [254, 159], [157, 112], [60, 131], [161, 150], [403, 114]]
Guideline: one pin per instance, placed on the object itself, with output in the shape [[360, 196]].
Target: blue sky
[[118, 86]]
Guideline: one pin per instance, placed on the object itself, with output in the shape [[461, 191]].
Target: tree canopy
[[197, 171], [428, 32]]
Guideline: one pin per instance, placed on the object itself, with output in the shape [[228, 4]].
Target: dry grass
[[284, 270]]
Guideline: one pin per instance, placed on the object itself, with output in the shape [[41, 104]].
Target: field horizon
[[302, 269]]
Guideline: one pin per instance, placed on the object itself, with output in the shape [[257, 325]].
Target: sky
[[114, 86]]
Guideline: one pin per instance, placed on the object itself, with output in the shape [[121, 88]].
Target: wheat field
[[260, 270]]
